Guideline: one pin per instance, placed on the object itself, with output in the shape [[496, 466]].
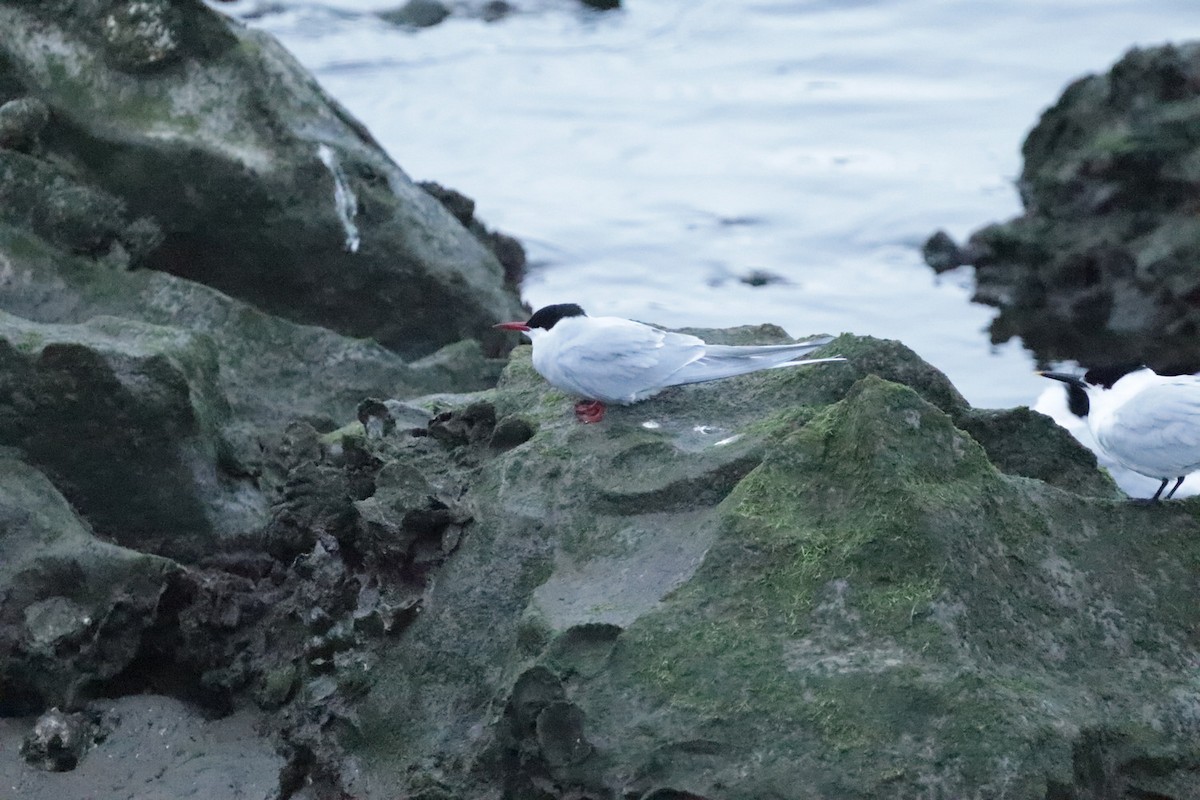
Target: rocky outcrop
[[127, 419], [180, 141], [832, 582], [1102, 265], [806, 578], [805, 583]]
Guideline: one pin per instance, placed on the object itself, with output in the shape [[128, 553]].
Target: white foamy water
[[648, 157]]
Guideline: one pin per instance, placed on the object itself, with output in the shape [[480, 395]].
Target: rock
[[1101, 267], [823, 582], [457, 203], [21, 121], [54, 621], [510, 432], [262, 186], [942, 253], [74, 609], [271, 370], [417, 14], [1023, 442], [495, 10], [126, 419], [602, 5], [508, 251], [801, 583], [761, 277], [58, 741], [72, 215], [143, 34]]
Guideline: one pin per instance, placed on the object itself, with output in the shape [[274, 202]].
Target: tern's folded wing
[[620, 361], [1158, 430]]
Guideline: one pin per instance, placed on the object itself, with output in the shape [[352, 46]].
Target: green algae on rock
[[801, 583], [798, 583]]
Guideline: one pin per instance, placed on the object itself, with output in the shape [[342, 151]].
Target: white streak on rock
[[343, 196]]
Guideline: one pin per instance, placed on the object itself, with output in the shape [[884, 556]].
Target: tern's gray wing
[[621, 361], [1157, 432]]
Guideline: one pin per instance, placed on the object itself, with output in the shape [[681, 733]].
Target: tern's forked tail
[[725, 362]]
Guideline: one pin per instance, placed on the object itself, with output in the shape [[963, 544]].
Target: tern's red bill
[[512, 326]]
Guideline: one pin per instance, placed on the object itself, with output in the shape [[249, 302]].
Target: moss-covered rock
[[262, 185], [836, 581], [126, 418], [801, 583], [1101, 266], [73, 609], [67, 213], [271, 370]]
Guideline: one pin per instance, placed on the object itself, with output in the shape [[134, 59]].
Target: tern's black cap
[[548, 316]]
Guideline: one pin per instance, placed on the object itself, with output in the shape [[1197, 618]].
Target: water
[[648, 157]]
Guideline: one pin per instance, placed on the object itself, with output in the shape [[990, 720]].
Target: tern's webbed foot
[[589, 411]]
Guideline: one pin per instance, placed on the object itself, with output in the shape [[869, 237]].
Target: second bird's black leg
[[1162, 486], [1173, 488]]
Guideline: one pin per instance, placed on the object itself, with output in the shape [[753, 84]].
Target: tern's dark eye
[[547, 317]]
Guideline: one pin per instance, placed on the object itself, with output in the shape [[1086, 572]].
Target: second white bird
[[1147, 422]]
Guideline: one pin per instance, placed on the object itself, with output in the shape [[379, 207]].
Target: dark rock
[[560, 735], [472, 424], [602, 5], [142, 34], [495, 10], [74, 609], [126, 419], [941, 252], [74, 216], [510, 432], [457, 203], [508, 250], [512, 257], [1102, 266], [58, 741], [417, 14], [21, 121], [271, 370], [1023, 442], [761, 277], [376, 418], [278, 197]]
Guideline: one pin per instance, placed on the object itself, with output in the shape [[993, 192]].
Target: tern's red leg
[[589, 411]]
